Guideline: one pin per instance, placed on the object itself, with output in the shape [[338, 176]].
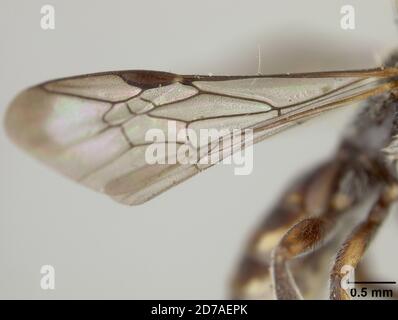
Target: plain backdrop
[[186, 242]]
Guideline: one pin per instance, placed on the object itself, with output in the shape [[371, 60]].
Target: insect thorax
[[374, 132]]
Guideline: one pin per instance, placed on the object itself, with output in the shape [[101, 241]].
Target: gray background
[[184, 243]]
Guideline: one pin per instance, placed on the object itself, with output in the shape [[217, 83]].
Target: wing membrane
[[92, 128]]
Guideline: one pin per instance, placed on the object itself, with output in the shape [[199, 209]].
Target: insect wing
[[93, 128]]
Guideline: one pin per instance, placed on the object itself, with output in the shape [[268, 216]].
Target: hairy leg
[[311, 233], [355, 246], [304, 237], [252, 277], [317, 191]]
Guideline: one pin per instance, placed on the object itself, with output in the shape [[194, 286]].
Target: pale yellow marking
[[391, 194], [294, 198], [341, 201], [257, 287], [269, 240]]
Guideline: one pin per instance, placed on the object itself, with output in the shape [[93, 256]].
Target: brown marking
[[149, 79]]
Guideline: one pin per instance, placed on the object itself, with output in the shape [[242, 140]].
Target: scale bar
[[372, 282]]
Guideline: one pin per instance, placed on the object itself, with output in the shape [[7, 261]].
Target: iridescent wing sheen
[[92, 128]]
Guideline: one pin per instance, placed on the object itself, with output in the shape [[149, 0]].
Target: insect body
[[92, 129]]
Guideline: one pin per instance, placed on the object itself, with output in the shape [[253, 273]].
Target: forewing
[[92, 128]]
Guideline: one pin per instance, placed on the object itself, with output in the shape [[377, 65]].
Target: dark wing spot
[[149, 79]]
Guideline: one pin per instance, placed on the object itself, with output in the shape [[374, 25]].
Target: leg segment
[[304, 237], [355, 246]]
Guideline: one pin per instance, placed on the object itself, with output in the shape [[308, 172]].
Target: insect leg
[[356, 244], [312, 194], [252, 280], [312, 232], [303, 237]]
